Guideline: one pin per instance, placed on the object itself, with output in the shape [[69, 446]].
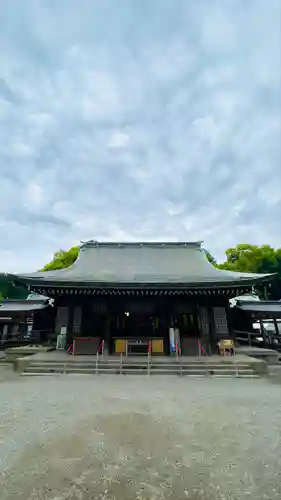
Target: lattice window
[[77, 320], [220, 320], [204, 321], [62, 318]]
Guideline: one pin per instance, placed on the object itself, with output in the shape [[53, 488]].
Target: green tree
[[11, 290], [62, 259], [210, 258], [255, 259]]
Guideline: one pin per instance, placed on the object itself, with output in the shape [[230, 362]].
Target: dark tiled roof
[[265, 306], [140, 264], [18, 306]]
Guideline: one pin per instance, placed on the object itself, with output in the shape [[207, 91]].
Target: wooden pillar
[[4, 333], [212, 329], [276, 326], [276, 332], [106, 333], [61, 318], [204, 326], [77, 319], [70, 323], [83, 321], [262, 331]]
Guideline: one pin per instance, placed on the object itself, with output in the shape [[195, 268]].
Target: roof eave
[[22, 311], [246, 282]]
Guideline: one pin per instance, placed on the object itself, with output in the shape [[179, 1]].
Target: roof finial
[[89, 242]]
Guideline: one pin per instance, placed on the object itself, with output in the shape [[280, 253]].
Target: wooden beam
[[173, 292]]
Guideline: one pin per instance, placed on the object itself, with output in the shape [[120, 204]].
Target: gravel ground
[[6, 373], [139, 438]]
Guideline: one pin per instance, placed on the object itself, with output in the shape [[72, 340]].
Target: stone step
[[141, 365], [223, 371], [274, 371], [113, 362], [40, 374], [274, 368], [189, 375], [65, 365], [204, 372], [240, 375], [58, 370], [143, 371], [202, 368], [46, 369]]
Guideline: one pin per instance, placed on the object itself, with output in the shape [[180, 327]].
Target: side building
[[131, 295], [21, 321]]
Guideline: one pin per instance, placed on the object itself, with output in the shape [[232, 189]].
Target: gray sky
[[144, 119]]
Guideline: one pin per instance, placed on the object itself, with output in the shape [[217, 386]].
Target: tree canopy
[[10, 290], [248, 258], [253, 259], [62, 259]]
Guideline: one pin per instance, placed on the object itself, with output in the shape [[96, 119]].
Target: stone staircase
[[113, 366], [275, 370]]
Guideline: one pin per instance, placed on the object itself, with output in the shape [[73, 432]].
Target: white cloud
[[119, 140], [145, 121], [34, 195]]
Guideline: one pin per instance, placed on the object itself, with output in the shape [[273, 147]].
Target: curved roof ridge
[[137, 244]]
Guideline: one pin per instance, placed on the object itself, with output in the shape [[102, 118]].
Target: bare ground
[[129, 438]]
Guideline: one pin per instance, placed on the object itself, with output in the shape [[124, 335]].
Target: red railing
[[100, 348], [178, 353], [69, 350], [201, 350]]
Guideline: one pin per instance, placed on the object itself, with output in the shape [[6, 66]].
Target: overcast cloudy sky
[[138, 119]]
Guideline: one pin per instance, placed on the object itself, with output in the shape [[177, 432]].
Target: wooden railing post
[[121, 362], [148, 357], [178, 354], [97, 362]]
